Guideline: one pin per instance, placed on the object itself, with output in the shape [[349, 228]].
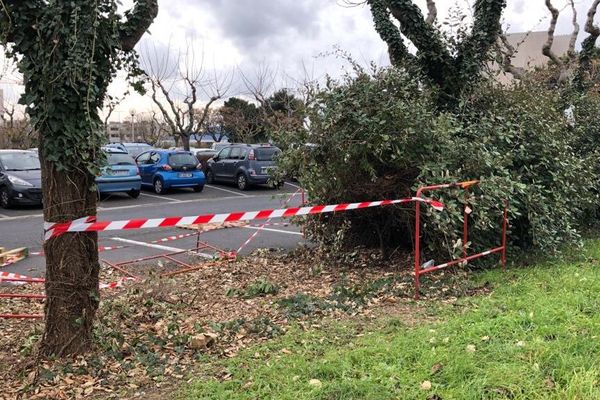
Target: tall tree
[[214, 125], [68, 51], [15, 130], [152, 128], [450, 69], [178, 84], [570, 70], [242, 120]]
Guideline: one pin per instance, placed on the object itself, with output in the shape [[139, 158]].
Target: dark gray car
[[20, 178], [244, 165]]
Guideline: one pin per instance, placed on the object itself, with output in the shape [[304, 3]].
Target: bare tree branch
[[110, 106], [15, 132], [575, 32], [138, 21], [588, 45], [547, 47], [432, 12], [178, 86], [590, 28], [508, 52]]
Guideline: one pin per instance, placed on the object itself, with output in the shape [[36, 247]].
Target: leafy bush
[[259, 288], [377, 135]]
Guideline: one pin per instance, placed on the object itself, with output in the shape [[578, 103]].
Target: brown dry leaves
[[151, 335]]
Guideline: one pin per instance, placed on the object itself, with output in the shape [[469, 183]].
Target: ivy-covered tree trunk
[[68, 53], [450, 70], [72, 266]]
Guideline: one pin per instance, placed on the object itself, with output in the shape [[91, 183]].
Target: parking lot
[[22, 227]]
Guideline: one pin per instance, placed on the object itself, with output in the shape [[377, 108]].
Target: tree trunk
[[185, 140], [72, 266]]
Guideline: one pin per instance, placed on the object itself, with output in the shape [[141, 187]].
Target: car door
[[231, 164], [218, 166], [3, 177], [142, 163], [153, 165]]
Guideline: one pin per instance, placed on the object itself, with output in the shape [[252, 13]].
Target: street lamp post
[[132, 113]]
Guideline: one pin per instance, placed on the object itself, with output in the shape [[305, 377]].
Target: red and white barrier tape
[[117, 284], [267, 222], [18, 279], [53, 230]]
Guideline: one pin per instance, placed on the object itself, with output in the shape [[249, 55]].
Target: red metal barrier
[[465, 258]]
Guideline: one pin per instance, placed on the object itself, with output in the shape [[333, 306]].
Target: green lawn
[[535, 336]]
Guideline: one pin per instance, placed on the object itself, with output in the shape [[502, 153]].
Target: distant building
[[528, 52], [122, 132]]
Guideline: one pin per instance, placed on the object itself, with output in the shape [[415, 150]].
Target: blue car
[[121, 174], [165, 169]]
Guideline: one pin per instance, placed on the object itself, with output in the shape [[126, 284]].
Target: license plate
[[185, 175], [121, 173]]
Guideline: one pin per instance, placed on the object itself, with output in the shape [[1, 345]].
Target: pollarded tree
[[450, 68], [68, 52], [178, 83]]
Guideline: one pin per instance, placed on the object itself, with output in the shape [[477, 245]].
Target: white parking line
[[292, 185], [227, 190], [4, 216], [144, 244], [258, 228], [159, 247], [161, 197]]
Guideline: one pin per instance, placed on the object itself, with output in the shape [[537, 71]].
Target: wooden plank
[[14, 255]]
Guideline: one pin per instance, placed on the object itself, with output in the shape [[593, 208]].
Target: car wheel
[[210, 177], [242, 182], [134, 194], [198, 188], [158, 186], [5, 201]]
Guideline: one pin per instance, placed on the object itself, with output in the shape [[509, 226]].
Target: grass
[[535, 336]]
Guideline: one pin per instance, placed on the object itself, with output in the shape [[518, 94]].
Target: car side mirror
[[216, 158]]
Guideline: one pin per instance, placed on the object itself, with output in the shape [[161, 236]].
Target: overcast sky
[[291, 36]]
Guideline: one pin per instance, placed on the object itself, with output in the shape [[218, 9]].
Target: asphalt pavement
[[22, 227]]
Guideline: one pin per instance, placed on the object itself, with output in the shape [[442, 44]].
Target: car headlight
[[18, 181]]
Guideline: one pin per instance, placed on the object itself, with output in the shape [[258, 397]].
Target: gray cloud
[[259, 22], [519, 6]]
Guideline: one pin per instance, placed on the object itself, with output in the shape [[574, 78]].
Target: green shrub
[[259, 288], [377, 135]]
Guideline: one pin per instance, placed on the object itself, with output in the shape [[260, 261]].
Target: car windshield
[[182, 159], [220, 146], [136, 149], [266, 153], [20, 161], [119, 159]]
